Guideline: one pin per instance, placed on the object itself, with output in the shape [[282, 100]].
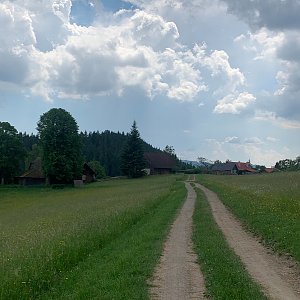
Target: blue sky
[[217, 79]]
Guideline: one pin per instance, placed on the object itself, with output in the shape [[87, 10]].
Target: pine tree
[[133, 161]]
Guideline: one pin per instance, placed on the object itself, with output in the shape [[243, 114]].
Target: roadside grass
[[50, 235], [225, 275], [268, 205]]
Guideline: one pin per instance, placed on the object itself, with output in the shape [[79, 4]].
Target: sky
[[218, 79]]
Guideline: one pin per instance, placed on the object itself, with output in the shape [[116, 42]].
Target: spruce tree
[[133, 161]]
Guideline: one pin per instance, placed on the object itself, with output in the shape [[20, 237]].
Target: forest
[[103, 148]]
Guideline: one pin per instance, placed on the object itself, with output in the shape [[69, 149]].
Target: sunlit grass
[[46, 233], [269, 205]]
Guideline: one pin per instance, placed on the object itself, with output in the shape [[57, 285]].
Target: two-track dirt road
[[178, 275]]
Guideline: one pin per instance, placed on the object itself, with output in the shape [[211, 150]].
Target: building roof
[[35, 170], [222, 167], [87, 168], [160, 160], [244, 167]]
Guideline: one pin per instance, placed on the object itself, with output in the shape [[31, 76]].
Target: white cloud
[[232, 140], [272, 139], [267, 157], [276, 120], [275, 36], [263, 42], [275, 15], [218, 62], [55, 58], [253, 141], [236, 149], [234, 104]]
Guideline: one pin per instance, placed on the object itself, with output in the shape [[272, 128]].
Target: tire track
[[277, 277], [178, 275]]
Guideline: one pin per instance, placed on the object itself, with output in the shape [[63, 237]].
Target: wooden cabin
[[160, 162]]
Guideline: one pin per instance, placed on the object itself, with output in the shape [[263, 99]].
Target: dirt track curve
[[279, 278], [178, 275]]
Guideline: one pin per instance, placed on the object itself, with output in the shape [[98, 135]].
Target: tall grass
[[46, 234], [269, 205]]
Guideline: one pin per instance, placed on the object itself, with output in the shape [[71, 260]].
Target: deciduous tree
[[11, 152], [61, 146]]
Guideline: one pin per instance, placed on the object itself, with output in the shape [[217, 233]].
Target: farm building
[[244, 168], [160, 163], [88, 174], [225, 168], [232, 168], [34, 175]]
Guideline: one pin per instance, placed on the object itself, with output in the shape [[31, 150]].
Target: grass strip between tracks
[[225, 276]]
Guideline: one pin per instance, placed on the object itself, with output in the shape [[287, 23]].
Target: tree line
[[63, 149], [288, 164]]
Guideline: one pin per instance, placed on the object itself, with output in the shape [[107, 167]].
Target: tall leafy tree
[[11, 152], [133, 161], [61, 146]]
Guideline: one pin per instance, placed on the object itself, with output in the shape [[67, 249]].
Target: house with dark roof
[[160, 162], [233, 168], [225, 168], [34, 175]]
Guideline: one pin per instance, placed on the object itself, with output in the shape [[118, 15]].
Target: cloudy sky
[[213, 78]]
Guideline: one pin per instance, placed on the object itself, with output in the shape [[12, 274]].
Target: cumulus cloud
[[275, 36], [234, 104], [218, 63], [55, 58], [265, 13], [232, 140], [263, 42], [253, 141], [276, 120]]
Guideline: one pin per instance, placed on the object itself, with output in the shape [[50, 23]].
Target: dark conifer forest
[[105, 147]]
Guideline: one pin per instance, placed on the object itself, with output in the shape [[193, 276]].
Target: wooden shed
[[34, 175], [160, 162], [88, 174]]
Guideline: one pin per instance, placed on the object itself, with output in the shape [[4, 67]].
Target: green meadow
[[101, 241], [268, 205]]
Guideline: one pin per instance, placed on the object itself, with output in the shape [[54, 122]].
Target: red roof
[[244, 167]]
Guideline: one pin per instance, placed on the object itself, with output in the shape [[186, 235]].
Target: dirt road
[[178, 275], [278, 277]]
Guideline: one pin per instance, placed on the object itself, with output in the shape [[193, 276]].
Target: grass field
[[225, 275], [269, 205], [101, 241]]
